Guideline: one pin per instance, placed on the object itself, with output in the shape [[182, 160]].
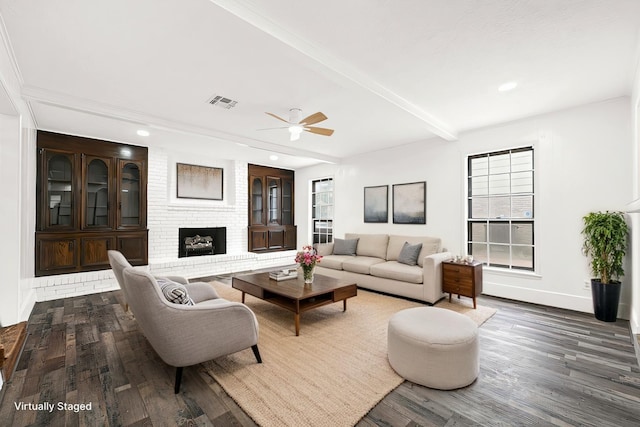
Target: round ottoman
[[434, 347]]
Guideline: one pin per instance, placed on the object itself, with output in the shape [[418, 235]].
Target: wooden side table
[[462, 278]]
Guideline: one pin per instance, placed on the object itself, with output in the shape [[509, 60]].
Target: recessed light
[[505, 87], [143, 132], [273, 157]]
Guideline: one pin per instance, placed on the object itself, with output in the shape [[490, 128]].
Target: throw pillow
[[345, 246], [323, 249], [409, 253], [174, 292]]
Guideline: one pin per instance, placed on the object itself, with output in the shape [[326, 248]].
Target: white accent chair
[[185, 335]]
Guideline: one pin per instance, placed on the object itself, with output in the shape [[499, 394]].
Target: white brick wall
[[165, 215]]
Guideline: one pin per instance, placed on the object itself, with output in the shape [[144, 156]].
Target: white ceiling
[[386, 73]]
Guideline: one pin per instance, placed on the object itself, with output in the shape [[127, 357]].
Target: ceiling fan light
[[295, 131]]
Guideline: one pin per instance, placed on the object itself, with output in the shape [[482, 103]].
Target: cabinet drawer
[[457, 288], [457, 281], [461, 271], [344, 293]]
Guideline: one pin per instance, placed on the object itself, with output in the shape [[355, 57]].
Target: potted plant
[[605, 242]]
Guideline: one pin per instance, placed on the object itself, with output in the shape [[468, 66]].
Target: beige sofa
[[375, 265]]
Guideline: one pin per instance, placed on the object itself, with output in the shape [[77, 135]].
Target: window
[[500, 214], [322, 210]]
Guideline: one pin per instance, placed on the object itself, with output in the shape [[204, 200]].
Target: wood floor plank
[[131, 407]]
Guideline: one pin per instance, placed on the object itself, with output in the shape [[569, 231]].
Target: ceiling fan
[[296, 126]]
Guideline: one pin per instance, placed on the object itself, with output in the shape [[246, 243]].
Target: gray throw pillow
[[174, 292], [345, 246], [409, 253]]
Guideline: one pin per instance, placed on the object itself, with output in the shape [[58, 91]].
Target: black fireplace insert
[[202, 241]]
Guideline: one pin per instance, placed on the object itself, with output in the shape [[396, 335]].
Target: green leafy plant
[[605, 242]]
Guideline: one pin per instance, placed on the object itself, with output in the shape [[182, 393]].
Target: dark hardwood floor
[[539, 366]]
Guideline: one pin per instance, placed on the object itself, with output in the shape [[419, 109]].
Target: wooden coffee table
[[293, 294]]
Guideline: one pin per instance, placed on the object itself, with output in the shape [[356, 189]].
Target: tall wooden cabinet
[[271, 214], [91, 197]]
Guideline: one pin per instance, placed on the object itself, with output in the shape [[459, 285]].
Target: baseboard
[[636, 346], [537, 296], [635, 323]]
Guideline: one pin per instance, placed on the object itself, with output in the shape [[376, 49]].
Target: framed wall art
[[410, 203], [376, 204], [199, 182]]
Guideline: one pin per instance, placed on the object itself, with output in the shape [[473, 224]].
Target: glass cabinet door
[[96, 193], [273, 193], [256, 202], [129, 202], [59, 190], [287, 202]]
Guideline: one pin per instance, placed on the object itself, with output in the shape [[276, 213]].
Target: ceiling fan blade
[[279, 118], [313, 119], [319, 131]]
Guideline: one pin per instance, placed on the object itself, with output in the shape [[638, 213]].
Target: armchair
[[185, 335]]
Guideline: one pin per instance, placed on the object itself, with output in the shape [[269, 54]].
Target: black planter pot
[[605, 300]]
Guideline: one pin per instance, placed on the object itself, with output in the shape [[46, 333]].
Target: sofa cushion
[[324, 249], [334, 262], [430, 246], [374, 245], [174, 292], [395, 270], [345, 246], [360, 264], [409, 253]]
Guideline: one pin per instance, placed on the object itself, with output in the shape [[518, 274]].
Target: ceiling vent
[[222, 102]]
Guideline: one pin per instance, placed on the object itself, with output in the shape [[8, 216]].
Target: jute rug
[[330, 375]]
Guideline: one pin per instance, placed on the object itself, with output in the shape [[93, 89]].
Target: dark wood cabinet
[[462, 278], [91, 197], [271, 209]]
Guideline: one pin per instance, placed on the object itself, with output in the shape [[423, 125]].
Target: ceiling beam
[[244, 10]]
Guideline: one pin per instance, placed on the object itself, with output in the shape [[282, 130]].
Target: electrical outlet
[[587, 285]]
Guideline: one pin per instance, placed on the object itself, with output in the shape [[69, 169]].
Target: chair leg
[[256, 353], [178, 379]]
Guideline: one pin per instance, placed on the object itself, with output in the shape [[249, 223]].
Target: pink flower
[[308, 257]]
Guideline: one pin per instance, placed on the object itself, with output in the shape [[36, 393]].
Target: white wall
[[633, 209], [582, 164], [10, 214], [17, 210]]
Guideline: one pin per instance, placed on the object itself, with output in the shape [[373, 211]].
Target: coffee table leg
[[296, 313], [243, 297], [344, 305]]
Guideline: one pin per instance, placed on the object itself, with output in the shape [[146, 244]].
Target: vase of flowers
[[307, 258]]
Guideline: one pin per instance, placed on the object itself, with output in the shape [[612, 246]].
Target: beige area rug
[[330, 375]]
